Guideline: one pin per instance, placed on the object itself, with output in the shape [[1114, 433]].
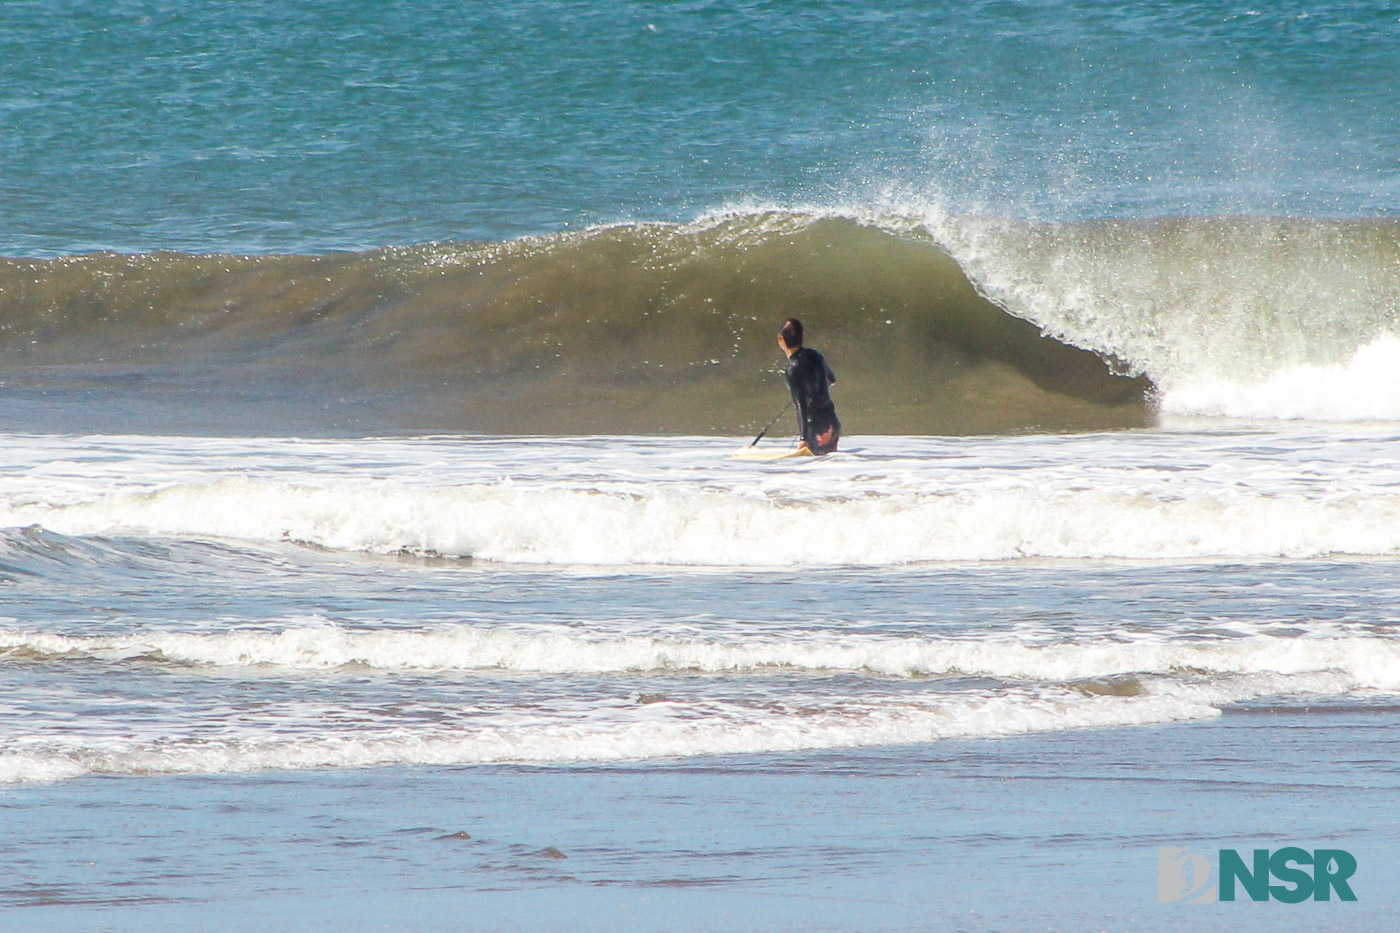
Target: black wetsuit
[[809, 379]]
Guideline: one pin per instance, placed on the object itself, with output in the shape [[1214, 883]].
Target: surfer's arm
[[801, 400]]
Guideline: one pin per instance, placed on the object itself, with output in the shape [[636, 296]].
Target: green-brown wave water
[[642, 328]]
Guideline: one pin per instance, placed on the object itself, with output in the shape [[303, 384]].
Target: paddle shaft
[[771, 423]]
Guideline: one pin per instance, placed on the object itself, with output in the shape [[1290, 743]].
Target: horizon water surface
[[371, 554]]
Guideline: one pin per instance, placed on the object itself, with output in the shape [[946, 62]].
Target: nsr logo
[[1185, 876]]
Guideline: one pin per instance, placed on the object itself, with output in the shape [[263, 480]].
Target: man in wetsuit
[[809, 379]]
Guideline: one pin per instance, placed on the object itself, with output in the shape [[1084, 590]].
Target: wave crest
[[640, 328], [934, 323]]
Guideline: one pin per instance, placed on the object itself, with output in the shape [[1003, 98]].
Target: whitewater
[[639, 501], [535, 600]]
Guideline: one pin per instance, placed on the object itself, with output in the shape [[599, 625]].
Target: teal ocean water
[[370, 549], [314, 126]]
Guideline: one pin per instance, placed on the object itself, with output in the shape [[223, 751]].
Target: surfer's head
[[790, 334]]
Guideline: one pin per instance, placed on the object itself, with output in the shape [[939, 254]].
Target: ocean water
[[628, 598], [632, 677], [370, 550]]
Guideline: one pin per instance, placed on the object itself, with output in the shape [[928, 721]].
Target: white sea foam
[[631, 729], [680, 502], [38, 768], [1365, 387], [1004, 517], [650, 731], [1361, 661]]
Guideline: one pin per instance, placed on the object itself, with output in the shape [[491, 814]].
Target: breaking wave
[[934, 325], [647, 328]]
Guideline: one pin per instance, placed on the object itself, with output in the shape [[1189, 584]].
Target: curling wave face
[[626, 329], [935, 325]]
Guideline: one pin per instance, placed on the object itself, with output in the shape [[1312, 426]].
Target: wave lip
[[1261, 317]]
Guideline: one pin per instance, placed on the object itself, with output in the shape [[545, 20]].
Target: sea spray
[[1242, 316]]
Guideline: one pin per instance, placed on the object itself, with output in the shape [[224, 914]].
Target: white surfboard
[[768, 453]]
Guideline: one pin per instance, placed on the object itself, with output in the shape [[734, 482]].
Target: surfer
[[809, 379]]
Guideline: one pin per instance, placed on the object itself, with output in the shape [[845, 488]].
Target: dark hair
[[792, 332]]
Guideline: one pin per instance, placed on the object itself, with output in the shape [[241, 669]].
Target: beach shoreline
[[1054, 831]]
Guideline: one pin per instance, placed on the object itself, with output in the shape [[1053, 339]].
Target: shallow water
[[295, 671], [196, 605]]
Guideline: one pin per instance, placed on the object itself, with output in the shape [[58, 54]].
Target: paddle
[[771, 423]]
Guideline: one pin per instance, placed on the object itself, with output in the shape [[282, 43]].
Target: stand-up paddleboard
[[766, 453]]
